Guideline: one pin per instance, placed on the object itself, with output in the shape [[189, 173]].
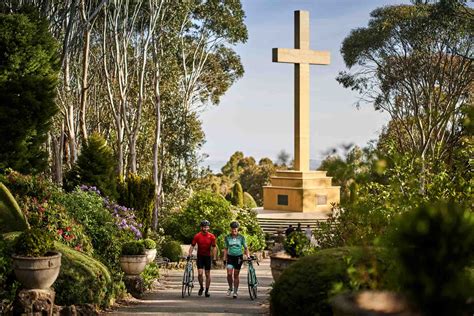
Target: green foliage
[[297, 245], [150, 274], [306, 286], [184, 225], [40, 201], [434, 245], [88, 209], [149, 243], [250, 228], [237, 195], [171, 249], [11, 217], [95, 167], [249, 202], [8, 284], [28, 79], [33, 242], [133, 248], [138, 193]]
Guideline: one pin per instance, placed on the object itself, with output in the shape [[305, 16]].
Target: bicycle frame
[[252, 280]]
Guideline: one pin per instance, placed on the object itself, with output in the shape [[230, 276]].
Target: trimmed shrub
[[133, 248], [149, 243], [434, 247], [33, 243], [150, 274], [237, 195], [95, 167], [172, 250], [306, 286], [249, 201], [84, 280]]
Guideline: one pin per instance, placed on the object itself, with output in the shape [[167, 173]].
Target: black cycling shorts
[[235, 262], [204, 262]]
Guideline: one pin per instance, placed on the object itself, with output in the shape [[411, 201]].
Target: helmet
[[234, 224], [205, 223]]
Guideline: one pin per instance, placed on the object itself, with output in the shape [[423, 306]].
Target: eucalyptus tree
[[414, 67]]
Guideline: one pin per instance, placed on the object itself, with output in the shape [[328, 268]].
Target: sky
[[255, 116]]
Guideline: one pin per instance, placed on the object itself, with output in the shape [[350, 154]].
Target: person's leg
[[201, 280], [230, 272], [236, 280], [207, 267], [208, 282]]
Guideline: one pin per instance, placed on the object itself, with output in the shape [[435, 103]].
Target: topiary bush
[[249, 201], [434, 246], [237, 195], [149, 243], [33, 243], [138, 193], [171, 249], [133, 248], [297, 245], [11, 216], [306, 286]]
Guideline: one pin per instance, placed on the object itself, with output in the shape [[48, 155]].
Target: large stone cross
[[302, 56]]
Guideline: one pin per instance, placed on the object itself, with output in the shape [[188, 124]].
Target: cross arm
[[300, 56]]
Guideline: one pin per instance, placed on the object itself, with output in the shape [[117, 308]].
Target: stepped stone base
[[34, 302], [300, 191], [273, 221]]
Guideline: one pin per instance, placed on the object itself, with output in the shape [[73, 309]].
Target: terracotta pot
[[278, 263], [37, 272], [150, 255], [371, 303], [133, 265]]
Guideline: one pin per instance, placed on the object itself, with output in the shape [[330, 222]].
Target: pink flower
[[60, 232]]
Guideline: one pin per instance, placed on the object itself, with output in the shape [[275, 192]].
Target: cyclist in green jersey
[[233, 256]]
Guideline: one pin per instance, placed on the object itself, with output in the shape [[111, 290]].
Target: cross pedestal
[[301, 190]]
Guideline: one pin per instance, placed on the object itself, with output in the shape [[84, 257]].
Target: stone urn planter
[[150, 255], [37, 272], [371, 303], [279, 262], [133, 264]]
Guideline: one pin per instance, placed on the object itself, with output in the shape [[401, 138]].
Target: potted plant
[[296, 245], [150, 249], [133, 259], [35, 263]]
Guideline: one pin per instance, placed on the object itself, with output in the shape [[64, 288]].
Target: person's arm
[[193, 243], [244, 243]]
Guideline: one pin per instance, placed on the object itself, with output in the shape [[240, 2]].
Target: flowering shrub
[[124, 217]]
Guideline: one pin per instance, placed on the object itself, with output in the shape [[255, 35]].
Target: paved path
[[166, 299]]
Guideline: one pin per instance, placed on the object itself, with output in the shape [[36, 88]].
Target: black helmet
[[205, 223], [234, 224]]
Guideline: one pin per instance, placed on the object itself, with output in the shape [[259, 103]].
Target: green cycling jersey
[[234, 244]]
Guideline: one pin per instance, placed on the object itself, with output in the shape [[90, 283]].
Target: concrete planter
[[37, 272], [371, 303], [278, 263], [133, 265], [150, 255]]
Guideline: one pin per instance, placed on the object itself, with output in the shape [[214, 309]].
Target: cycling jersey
[[234, 244], [204, 242]]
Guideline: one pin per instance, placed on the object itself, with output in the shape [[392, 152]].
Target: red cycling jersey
[[204, 242]]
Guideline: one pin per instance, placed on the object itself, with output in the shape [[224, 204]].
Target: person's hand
[[188, 258], [214, 262]]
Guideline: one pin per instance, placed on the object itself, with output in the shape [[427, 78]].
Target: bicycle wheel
[[250, 285], [190, 281], [184, 288]]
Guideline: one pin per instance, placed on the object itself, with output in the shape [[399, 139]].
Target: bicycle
[[188, 278], [252, 280]]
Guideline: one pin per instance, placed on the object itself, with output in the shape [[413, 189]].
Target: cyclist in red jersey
[[205, 242]]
